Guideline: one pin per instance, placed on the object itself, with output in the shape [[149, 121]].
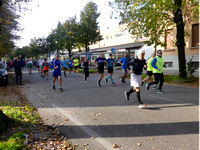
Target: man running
[[100, 62], [150, 71], [70, 65], [76, 65], [45, 66], [64, 63], [136, 71], [57, 72], [124, 66], [40, 62], [157, 64], [29, 66], [86, 69], [110, 63]]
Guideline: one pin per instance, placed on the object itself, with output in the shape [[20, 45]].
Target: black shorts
[[76, 67], [45, 71], [86, 71], [149, 73], [100, 69], [110, 70], [65, 68]]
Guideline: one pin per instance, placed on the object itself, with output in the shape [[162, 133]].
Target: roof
[[121, 46]]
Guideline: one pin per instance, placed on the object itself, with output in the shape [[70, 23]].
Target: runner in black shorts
[[150, 71], [110, 62], [100, 62]]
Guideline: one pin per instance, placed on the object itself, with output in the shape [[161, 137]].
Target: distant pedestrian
[[18, 63], [100, 63], [56, 63], [40, 62], [29, 66], [64, 64], [69, 62], [137, 66], [124, 66], [86, 69], [110, 64], [157, 64], [150, 70], [45, 66]]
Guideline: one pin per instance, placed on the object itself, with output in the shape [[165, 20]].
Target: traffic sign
[[113, 50]]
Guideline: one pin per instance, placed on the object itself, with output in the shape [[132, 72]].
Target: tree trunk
[[178, 19], [5, 121], [70, 54]]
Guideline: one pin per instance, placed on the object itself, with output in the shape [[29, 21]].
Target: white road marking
[[105, 143], [171, 100]]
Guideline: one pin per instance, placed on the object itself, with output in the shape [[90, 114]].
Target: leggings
[[158, 77]]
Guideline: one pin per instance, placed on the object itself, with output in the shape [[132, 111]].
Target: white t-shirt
[[40, 61]]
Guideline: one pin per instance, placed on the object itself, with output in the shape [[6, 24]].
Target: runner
[[110, 63], [150, 71], [136, 71], [100, 62], [64, 63], [45, 66], [124, 62], [86, 69], [157, 64], [57, 72], [70, 65], [76, 65], [40, 69], [29, 66]]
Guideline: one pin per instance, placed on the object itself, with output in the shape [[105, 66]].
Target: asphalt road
[[96, 118]]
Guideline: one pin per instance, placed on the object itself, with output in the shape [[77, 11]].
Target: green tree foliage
[[151, 18], [88, 28], [9, 10]]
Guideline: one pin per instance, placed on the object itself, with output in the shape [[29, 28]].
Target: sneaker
[[43, 76], [113, 83], [85, 81], [54, 87], [126, 96], [98, 84], [141, 106], [147, 86], [60, 89], [106, 80], [155, 88], [47, 78], [123, 81], [160, 92]]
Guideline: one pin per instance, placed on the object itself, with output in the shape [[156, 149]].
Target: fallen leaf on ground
[[116, 146], [139, 144], [85, 144], [151, 139]]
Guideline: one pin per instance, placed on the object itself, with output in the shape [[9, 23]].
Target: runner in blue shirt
[[64, 63], [124, 66], [57, 72], [100, 62], [70, 65], [110, 63]]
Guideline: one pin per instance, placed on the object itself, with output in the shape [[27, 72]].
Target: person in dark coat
[[18, 63]]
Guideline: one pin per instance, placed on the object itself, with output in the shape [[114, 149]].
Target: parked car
[[117, 63], [3, 74]]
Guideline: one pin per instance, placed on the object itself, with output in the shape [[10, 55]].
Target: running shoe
[[160, 92], [113, 83], [106, 80], [98, 84], [141, 106], [54, 87], [126, 96], [147, 86], [155, 88], [47, 78], [60, 89], [85, 81], [43, 76]]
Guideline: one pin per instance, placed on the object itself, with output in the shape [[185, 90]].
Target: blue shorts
[[57, 73]]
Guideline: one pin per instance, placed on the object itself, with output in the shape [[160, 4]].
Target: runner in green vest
[[157, 65], [150, 71], [76, 65]]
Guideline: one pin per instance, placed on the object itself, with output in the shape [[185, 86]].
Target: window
[[169, 37], [169, 64], [195, 35], [195, 64]]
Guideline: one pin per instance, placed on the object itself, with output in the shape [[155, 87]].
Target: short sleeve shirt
[[124, 61], [110, 63], [100, 61]]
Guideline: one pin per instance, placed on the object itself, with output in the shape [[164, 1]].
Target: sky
[[43, 16]]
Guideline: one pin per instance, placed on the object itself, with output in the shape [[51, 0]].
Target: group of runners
[[135, 66]]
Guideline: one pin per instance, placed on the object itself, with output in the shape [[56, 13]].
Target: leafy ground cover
[[28, 131]]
